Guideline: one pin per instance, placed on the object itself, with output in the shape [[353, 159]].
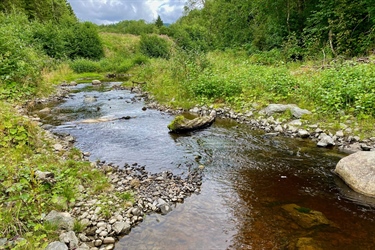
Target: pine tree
[[159, 23]]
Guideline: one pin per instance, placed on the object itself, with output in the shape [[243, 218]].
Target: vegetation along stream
[[249, 179]]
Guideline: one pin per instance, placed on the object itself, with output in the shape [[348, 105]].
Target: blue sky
[[112, 11]]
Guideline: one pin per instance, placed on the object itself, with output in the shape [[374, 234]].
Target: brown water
[[248, 177]]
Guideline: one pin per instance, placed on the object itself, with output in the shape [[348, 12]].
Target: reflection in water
[[248, 177]]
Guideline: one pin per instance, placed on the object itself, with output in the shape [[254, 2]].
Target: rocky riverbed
[[107, 219]]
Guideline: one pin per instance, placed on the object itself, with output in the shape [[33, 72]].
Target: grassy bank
[[336, 92], [24, 199]]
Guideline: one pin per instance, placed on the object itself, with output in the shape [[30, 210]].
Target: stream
[[248, 177]]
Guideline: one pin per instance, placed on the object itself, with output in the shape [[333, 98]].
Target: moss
[[178, 120], [304, 210]]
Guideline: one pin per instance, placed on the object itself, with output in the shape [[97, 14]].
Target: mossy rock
[[180, 124]]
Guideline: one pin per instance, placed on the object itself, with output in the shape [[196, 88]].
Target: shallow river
[[248, 176]]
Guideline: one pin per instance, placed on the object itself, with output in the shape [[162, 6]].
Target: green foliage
[[20, 61], [154, 46], [16, 131], [303, 210], [159, 23], [178, 120], [190, 37], [84, 65], [348, 88], [50, 38], [42, 11], [82, 41], [139, 27], [342, 27]]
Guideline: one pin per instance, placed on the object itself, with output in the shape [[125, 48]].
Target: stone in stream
[[96, 82], [358, 171], [180, 124], [305, 217]]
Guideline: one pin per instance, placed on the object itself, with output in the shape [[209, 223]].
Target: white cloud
[[112, 11]]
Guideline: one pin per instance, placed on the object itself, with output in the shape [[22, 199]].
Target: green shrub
[[50, 38], [84, 65], [154, 46], [140, 59], [20, 61], [82, 40]]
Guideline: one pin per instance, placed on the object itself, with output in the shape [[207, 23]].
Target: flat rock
[[358, 171]]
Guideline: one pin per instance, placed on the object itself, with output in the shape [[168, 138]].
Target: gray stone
[[303, 133], [358, 171], [62, 219], [89, 99], [69, 238], [109, 240], [279, 128], [56, 245], [58, 147], [325, 140], [44, 176], [340, 134], [96, 82], [165, 208], [98, 243], [280, 108], [121, 228], [295, 123], [83, 247], [45, 111]]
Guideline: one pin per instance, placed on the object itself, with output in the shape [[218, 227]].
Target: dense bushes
[[154, 46], [20, 60], [69, 40]]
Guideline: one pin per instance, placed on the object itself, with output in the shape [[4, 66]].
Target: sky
[[112, 11]]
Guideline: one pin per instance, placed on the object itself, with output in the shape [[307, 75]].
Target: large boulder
[[358, 171]]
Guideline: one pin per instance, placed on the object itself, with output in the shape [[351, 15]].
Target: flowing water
[[248, 176]]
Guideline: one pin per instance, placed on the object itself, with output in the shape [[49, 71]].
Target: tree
[[159, 23]]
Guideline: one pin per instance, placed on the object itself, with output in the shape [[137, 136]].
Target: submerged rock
[[358, 171], [305, 217]]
